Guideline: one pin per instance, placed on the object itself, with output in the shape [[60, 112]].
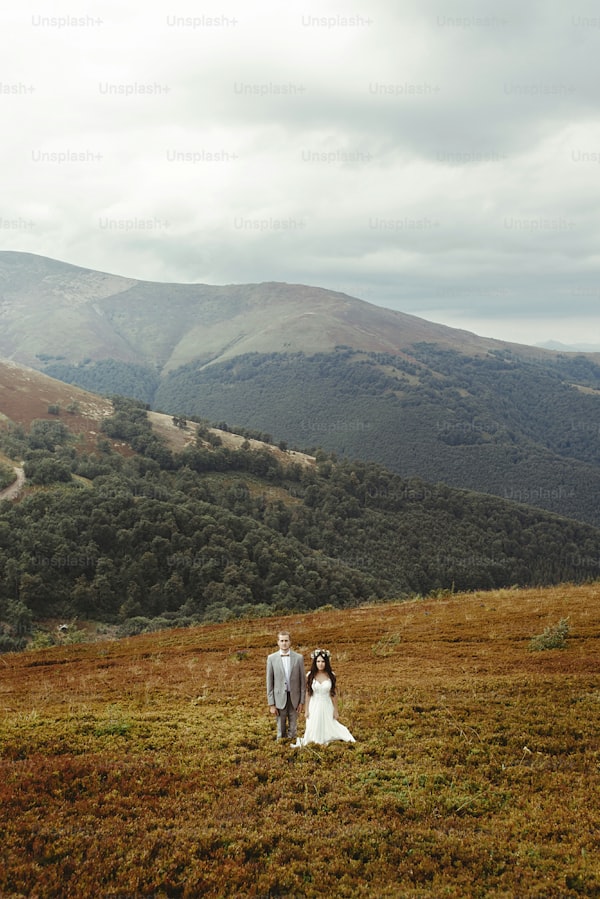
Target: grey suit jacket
[[276, 692]]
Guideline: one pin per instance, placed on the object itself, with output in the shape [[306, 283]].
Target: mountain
[[519, 428], [52, 311], [317, 368], [570, 348]]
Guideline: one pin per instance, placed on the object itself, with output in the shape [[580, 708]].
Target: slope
[[502, 424], [27, 395], [424, 400], [148, 766], [58, 312], [155, 537]]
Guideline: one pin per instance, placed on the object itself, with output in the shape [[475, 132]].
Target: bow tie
[[285, 655]]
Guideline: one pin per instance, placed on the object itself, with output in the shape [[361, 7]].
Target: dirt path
[[13, 490]]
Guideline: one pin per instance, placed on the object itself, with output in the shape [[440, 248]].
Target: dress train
[[321, 726]]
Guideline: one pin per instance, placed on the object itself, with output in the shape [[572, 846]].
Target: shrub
[[76, 636], [11, 644], [133, 626], [7, 476], [41, 640], [554, 637]]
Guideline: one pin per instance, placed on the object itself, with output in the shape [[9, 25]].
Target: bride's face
[[320, 663]]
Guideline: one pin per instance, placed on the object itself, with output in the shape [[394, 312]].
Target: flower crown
[[320, 652]]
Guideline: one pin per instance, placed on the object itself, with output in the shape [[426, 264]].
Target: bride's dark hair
[[313, 671]]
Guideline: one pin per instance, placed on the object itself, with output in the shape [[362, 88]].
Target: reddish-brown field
[[148, 767], [25, 395]]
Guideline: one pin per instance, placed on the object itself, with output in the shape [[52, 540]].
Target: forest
[[149, 538], [525, 428], [513, 427]]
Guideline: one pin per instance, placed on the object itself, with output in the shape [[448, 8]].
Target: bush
[[134, 626], [554, 637], [11, 644], [76, 636], [41, 640], [7, 476], [217, 613]]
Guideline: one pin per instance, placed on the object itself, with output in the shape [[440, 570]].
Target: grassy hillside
[[27, 395], [54, 312], [148, 766]]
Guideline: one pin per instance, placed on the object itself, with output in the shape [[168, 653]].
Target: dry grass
[[25, 396], [148, 766], [177, 439]]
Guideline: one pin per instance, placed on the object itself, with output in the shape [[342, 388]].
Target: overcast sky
[[437, 157]]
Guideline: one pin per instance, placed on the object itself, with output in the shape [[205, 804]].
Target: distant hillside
[[523, 429], [59, 313], [570, 348], [27, 395], [316, 368]]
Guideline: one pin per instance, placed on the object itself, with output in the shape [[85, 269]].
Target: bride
[[322, 725]]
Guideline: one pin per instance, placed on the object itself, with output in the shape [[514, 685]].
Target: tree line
[[157, 538]]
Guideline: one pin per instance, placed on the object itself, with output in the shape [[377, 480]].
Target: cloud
[[443, 160]]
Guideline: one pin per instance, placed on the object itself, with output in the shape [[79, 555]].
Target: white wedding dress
[[321, 726]]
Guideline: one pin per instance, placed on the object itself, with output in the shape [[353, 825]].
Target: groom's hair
[[283, 634]]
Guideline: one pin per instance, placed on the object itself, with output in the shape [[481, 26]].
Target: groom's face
[[284, 642]]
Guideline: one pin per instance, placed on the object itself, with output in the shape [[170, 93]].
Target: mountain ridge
[[126, 318], [318, 368]]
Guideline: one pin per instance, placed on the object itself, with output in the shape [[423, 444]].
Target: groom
[[285, 686]]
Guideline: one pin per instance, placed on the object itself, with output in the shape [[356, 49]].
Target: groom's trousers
[[287, 721]]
